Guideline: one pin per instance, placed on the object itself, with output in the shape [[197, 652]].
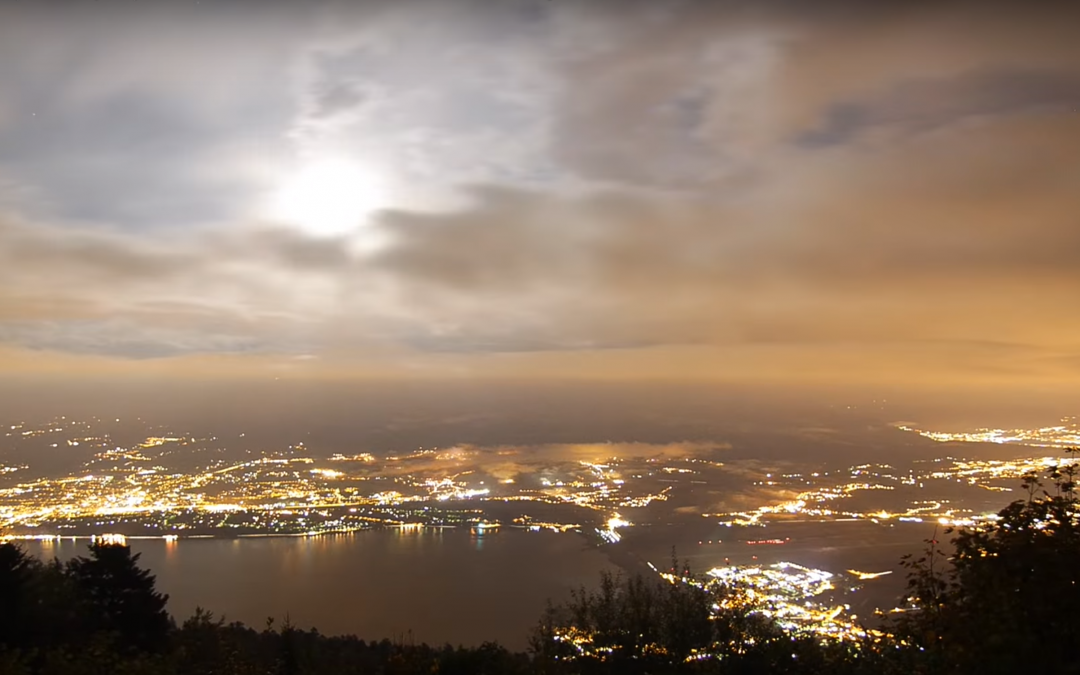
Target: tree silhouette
[[121, 596], [645, 625], [1009, 599], [17, 571]]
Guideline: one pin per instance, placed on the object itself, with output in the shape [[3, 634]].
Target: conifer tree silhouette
[[122, 596]]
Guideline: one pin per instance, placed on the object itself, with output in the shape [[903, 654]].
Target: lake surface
[[456, 586], [442, 585]]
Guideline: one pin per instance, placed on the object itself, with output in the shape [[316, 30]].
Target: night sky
[[758, 192]]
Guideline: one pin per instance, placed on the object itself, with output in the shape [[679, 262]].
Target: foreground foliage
[[1004, 601], [643, 625]]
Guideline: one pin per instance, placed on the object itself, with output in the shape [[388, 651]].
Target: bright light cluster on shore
[[791, 595], [136, 487], [1066, 435], [823, 495], [609, 533]]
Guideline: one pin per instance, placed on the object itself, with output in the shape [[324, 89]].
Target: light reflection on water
[[442, 585]]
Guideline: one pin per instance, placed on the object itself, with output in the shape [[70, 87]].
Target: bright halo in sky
[[327, 197]]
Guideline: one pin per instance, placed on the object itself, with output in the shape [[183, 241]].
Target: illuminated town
[[174, 486], [138, 490], [796, 597], [1064, 435], [938, 490]]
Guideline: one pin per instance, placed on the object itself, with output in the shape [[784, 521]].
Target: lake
[[442, 585], [459, 587]]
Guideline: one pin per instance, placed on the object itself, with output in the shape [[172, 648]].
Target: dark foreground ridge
[[1004, 600]]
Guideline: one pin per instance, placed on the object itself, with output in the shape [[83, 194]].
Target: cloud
[[642, 181], [926, 105], [531, 271], [122, 338]]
